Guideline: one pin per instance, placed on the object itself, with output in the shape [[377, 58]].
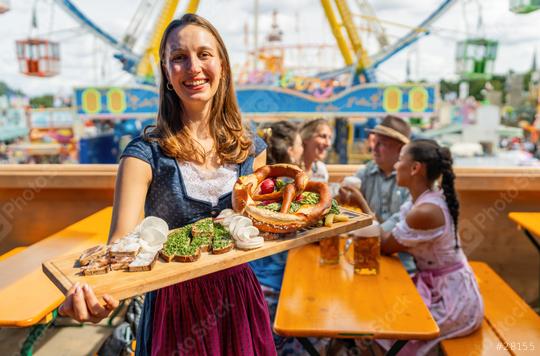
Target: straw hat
[[393, 127]]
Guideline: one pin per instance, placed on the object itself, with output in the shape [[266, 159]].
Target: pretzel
[[246, 196]]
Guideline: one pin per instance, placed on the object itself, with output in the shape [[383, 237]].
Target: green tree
[[6, 89], [44, 101]]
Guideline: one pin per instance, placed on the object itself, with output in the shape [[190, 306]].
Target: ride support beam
[[150, 58], [192, 6], [362, 58], [336, 31]]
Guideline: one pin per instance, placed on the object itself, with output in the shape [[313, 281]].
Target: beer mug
[[329, 250], [366, 243], [352, 181]]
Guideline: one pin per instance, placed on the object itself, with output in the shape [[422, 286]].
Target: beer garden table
[[332, 301], [529, 222], [28, 297]]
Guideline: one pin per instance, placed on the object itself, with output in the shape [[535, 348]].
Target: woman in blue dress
[[183, 170]]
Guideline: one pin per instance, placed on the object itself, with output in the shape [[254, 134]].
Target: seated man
[[378, 178]]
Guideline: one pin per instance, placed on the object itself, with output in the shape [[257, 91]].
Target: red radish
[[267, 186]]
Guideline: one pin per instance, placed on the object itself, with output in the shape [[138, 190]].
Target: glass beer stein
[[366, 246], [329, 250]]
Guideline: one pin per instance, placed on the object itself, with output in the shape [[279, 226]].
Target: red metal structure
[[38, 57]]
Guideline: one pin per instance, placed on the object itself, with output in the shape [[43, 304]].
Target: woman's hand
[[82, 304]]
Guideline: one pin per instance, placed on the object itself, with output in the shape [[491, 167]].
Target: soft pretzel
[[246, 195]]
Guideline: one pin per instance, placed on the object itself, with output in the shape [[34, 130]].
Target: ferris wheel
[[363, 39]]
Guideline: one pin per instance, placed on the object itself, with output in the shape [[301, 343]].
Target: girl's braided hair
[[438, 161]]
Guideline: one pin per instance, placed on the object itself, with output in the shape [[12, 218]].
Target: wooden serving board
[[64, 271]]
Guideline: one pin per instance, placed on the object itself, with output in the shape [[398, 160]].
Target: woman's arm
[[132, 182], [389, 245], [423, 217]]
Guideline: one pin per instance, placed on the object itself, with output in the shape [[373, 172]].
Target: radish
[[267, 186]]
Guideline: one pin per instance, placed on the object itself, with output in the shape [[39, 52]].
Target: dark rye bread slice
[[188, 258], [203, 243], [223, 249], [119, 266], [165, 257], [203, 228], [94, 268], [120, 263], [91, 254], [131, 253], [147, 267], [204, 248]]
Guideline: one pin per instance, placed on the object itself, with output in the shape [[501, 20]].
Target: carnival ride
[[278, 89], [143, 65], [358, 61]]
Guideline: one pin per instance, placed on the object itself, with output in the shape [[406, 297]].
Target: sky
[[87, 61]]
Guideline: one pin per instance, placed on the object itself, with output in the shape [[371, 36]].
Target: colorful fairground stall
[[129, 110]]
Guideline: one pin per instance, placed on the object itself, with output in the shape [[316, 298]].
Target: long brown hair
[[232, 141]]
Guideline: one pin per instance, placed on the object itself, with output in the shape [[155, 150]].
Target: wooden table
[[27, 296], [530, 223], [333, 301]]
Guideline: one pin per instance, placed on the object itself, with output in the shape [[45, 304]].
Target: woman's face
[[320, 142], [296, 150], [404, 167], [192, 65]]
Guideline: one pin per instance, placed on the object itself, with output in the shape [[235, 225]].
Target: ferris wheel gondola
[[475, 56], [38, 56]]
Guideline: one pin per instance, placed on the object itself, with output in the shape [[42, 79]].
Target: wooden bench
[[28, 297], [510, 326]]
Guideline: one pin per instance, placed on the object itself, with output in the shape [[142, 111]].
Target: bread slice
[[131, 253], [203, 228], [92, 254], [188, 258], [120, 263], [165, 257], [203, 243], [141, 268], [94, 268], [222, 247]]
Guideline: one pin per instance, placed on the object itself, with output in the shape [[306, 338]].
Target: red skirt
[[223, 313]]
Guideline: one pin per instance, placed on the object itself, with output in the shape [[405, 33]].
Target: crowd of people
[[184, 168]]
